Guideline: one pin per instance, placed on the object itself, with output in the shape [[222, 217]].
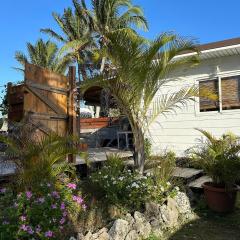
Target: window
[[206, 88], [231, 93], [229, 97]]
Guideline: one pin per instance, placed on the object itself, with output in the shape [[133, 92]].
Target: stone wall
[[156, 220]]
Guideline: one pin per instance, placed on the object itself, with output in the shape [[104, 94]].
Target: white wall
[[175, 131]]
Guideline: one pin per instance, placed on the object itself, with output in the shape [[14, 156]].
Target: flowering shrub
[[120, 186], [41, 214]]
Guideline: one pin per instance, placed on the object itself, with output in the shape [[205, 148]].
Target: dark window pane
[[231, 92], [206, 89]]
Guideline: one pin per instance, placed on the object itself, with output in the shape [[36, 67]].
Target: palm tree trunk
[[139, 151]]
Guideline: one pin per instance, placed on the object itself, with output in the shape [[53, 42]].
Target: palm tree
[[139, 69], [107, 17], [76, 36], [44, 54]]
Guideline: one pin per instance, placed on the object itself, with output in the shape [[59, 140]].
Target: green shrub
[[39, 214], [218, 157], [116, 185], [44, 158], [162, 165]]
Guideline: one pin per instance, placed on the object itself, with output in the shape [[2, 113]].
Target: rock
[[87, 237], [183, 203], [173, 213], [152, 210], [141, 225], [100, 235], [157, 227], [119, 230], [132, 235], [128, 217], [169, 214], [158, 233]]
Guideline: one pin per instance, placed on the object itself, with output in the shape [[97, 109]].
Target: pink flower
[[23, 218], [24, 227], [55, 194], [64, 213], [49, 234], [78, 199], [48, 184], [3, 190], [62, 221], [41, 200], [62, 206], [30, 231], [28, 194], [38, 229], [72, 185], [54, 206]]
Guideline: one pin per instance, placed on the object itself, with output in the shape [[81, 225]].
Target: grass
[[209, 226]]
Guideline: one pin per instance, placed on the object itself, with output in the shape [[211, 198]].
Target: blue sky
[[206, 20]]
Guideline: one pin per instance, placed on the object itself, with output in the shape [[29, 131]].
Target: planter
[[219, 199]]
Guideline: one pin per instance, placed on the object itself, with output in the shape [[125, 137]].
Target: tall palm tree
[[44, 54], [139, 70], [109, 16], [76, 37]]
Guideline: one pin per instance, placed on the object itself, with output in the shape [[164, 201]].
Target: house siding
[[176, 131]]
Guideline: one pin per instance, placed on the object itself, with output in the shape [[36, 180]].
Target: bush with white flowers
[[120, 186]]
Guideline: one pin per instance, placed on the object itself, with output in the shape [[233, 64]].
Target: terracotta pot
[[219, 199]]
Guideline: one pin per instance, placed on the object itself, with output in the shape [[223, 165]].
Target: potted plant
[[220, 160]]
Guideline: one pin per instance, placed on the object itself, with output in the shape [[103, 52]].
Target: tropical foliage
[[44, 54], [139, 69], [44, 158], [218, 157]]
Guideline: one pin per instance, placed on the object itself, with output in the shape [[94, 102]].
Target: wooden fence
[[46, 99]]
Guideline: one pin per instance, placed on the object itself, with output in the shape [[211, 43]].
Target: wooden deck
[[96, 155]]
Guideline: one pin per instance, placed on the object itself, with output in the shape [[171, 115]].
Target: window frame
[[219, 77]]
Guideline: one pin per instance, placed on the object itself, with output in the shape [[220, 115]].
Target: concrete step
[[187, 174], [197, 183]]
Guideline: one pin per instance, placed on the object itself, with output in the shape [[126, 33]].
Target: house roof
[[216, 49], [220, 44]]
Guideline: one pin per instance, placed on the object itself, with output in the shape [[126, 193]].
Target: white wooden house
[[219, 70]]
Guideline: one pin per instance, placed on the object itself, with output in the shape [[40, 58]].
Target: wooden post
[[9, 87], [72, 121]]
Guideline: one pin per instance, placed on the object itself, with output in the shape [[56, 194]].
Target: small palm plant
[[219, 158], [44, 159], [139, 69]]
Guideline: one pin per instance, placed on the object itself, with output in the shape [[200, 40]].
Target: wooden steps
[[187, 174], [193, 178], [197, 183]]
